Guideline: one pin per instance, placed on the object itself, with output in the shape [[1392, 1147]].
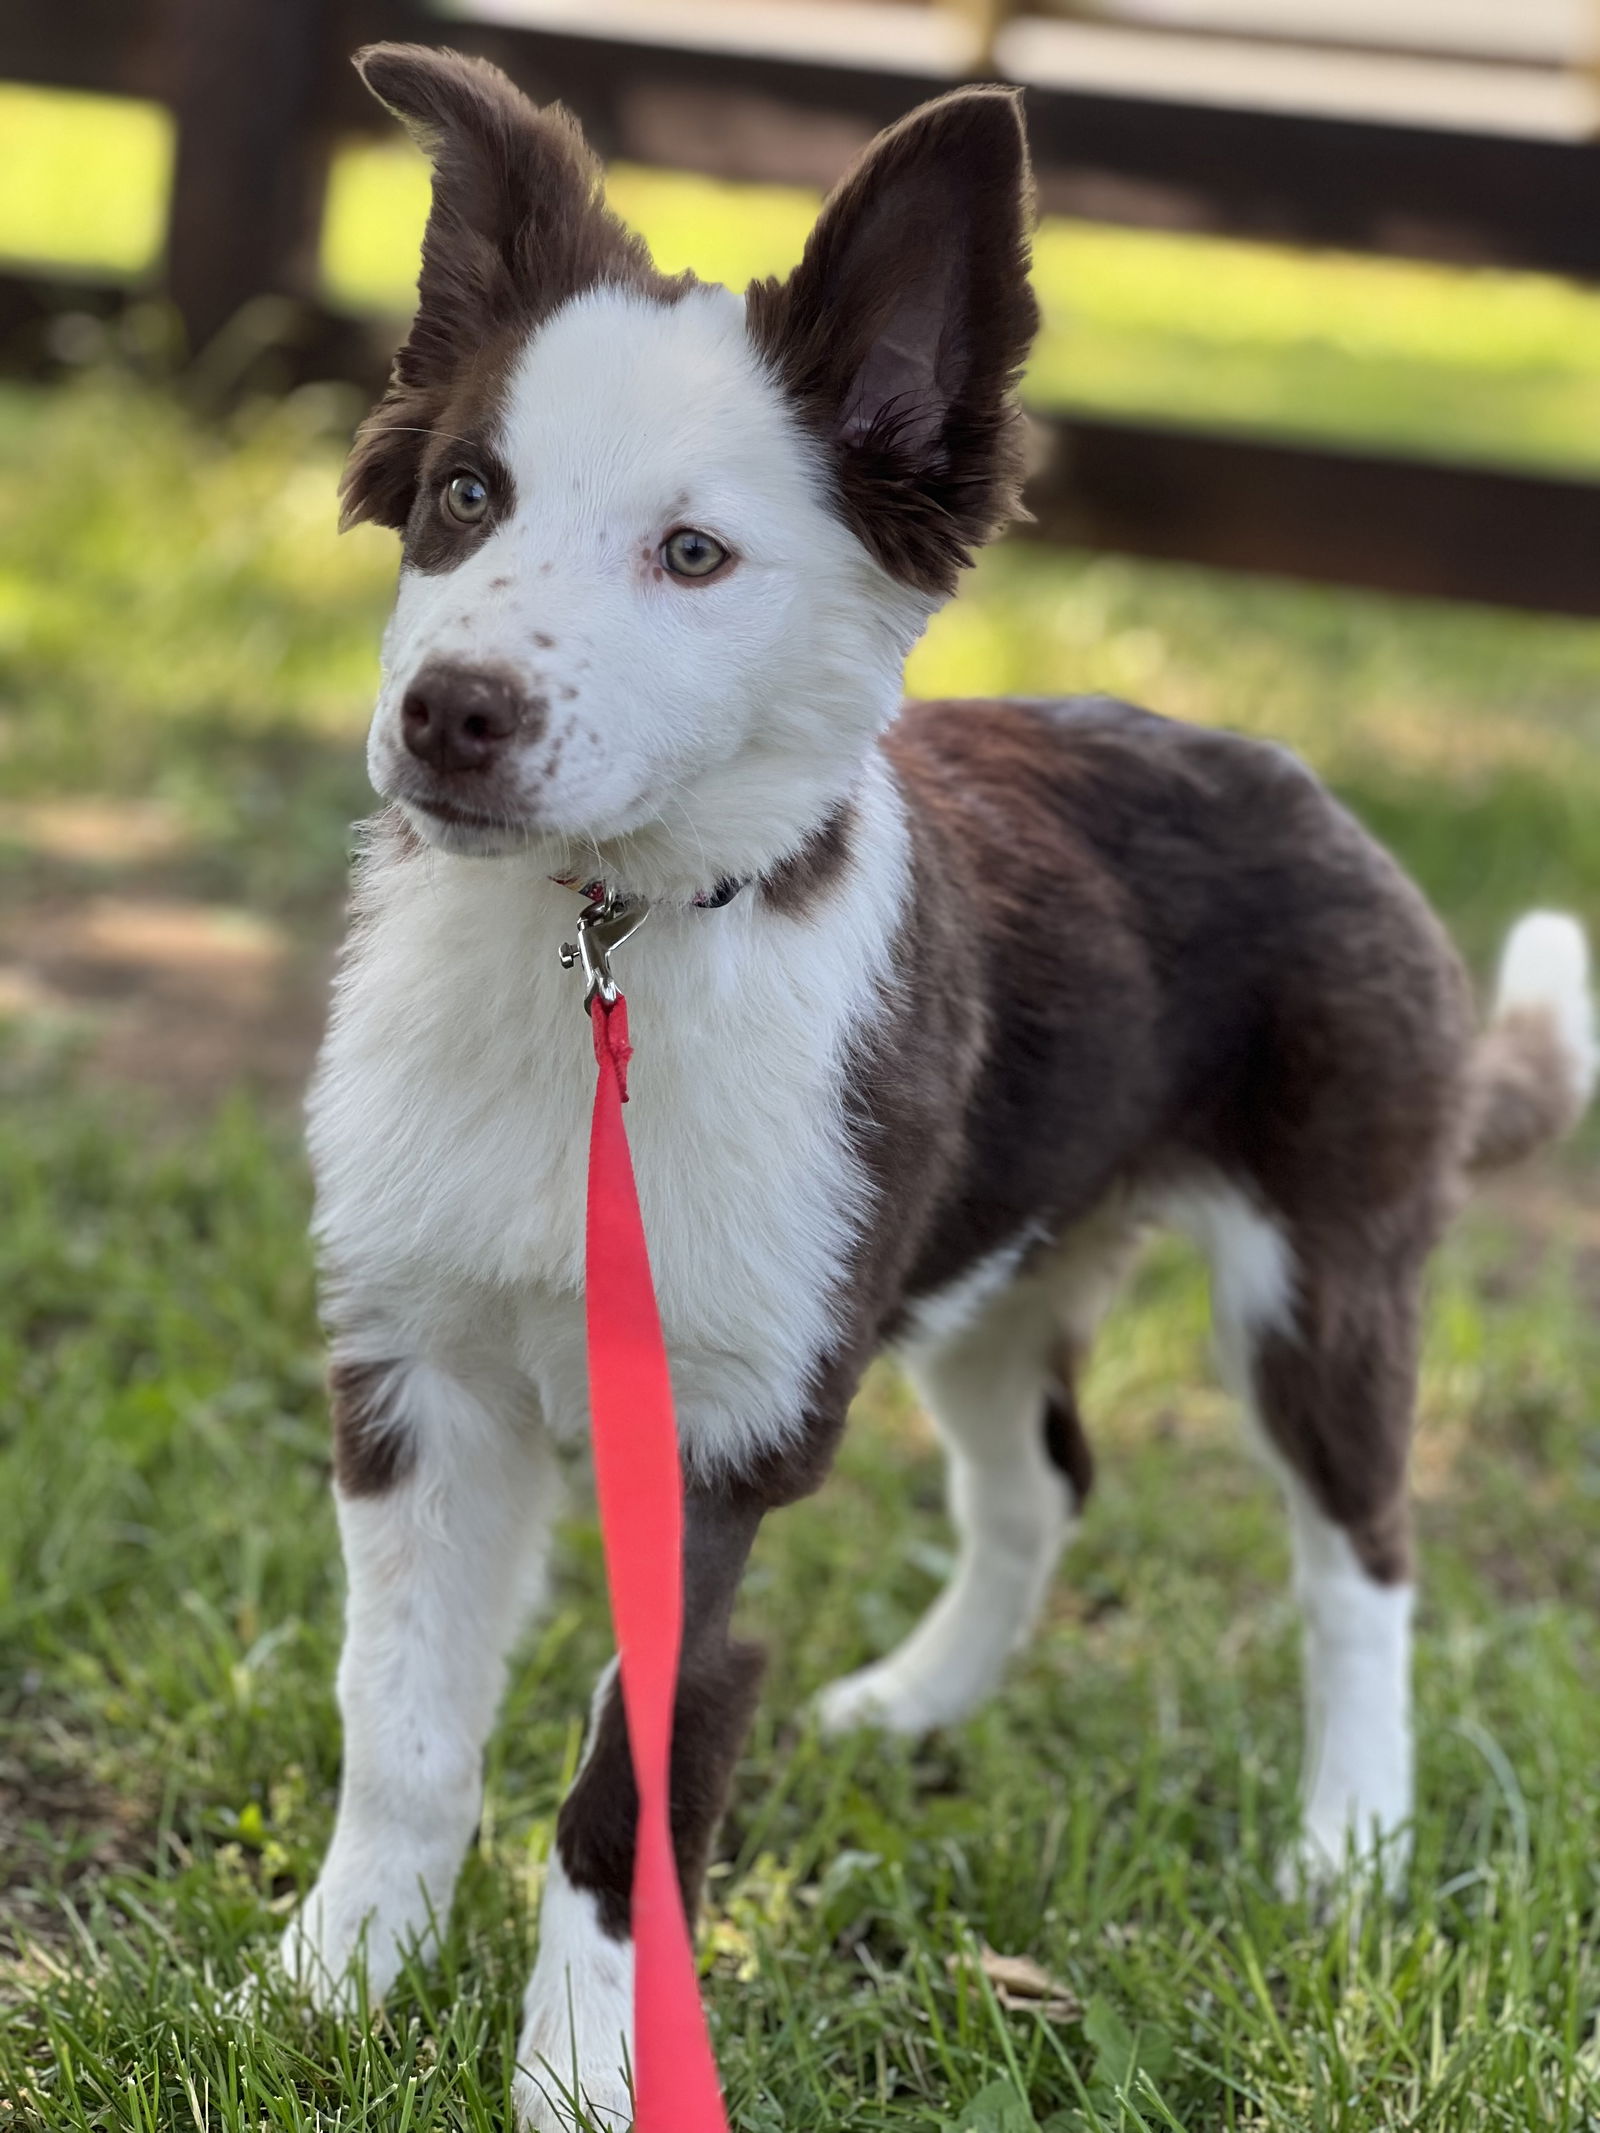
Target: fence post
[[252, 155]]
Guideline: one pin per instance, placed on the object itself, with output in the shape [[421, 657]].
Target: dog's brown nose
[[459, 718]]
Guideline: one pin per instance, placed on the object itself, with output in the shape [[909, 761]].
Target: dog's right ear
[[517, 226]]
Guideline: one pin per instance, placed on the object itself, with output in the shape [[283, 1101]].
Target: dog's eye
[[466, 498], [689, 553]]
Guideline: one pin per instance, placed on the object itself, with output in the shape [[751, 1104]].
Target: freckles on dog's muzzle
[[461, 720]]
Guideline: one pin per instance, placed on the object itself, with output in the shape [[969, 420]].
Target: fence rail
[[261, 94]]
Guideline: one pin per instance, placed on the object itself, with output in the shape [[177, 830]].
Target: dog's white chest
[[449, 1131]]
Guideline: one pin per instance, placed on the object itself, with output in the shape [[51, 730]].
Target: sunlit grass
[[83, 179], [1494, 366], [1500, 366], [169, 1619]]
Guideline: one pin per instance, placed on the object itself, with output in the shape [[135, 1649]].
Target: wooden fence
[[261, 90]]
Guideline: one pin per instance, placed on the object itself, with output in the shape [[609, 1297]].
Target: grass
[[85, 178], [180, 630], [186, 659], [168, 1614]]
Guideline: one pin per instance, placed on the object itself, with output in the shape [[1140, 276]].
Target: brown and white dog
[[938, 1006]]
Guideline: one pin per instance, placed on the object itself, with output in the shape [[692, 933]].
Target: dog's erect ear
[[518, 224], [901, 334], [517, 227]]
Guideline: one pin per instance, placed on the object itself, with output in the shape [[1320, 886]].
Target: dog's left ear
[[902, 333]]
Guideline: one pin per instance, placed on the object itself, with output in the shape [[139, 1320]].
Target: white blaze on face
[[710, 722]]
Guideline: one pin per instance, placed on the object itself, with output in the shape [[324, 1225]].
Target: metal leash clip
[[602, 928]]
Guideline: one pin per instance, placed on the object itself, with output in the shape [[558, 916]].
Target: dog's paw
[[884, 1699], [577, 2020], [322, 1954], [343, 1948], [1334, 1853], [596, 2100]]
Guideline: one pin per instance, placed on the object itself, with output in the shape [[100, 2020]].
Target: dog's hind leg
[[1002, 1395], [1320, 1339], [1356, 1786], [1335, 1394]]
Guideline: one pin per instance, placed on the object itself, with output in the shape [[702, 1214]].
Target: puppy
[[938, 1006]]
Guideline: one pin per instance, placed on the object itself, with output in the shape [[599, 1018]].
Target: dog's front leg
[[445, 1491], [577, 2035]]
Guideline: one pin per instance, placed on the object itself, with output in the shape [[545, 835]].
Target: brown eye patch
[[464, 493]]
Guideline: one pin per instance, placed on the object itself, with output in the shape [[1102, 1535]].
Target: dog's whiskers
[[418, 429]]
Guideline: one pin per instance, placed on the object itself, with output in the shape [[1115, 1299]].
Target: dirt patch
[[183, 999], [115, 965], [61, 1827], [96, 831]]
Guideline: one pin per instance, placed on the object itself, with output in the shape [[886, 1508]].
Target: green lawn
[[186, 660]]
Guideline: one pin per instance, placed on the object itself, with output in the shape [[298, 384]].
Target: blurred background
[[1317, 416], [1319, 283], [1319, 292]]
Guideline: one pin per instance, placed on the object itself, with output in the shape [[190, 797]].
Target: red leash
[[639, 1482]]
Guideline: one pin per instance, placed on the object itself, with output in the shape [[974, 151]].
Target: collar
[[721, 892]]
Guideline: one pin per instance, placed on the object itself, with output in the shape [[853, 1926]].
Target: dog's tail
[[1534, 1068]]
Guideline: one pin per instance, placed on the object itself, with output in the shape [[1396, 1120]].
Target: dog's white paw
[[1337, 1849], [577, 2020], [354, 1931], [548, 2102], [887, 1699]]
